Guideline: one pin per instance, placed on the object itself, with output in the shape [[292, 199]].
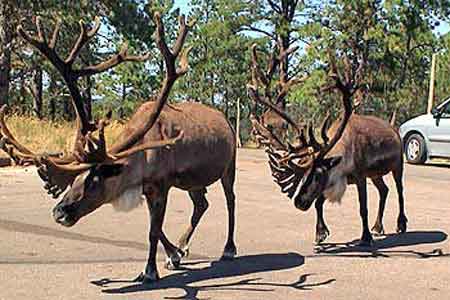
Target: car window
[[446, 111]]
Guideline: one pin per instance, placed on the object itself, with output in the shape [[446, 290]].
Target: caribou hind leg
[[228, 184], [174, 254], [322, 231], [366, 238], [402, 220], [200, 206], [383, 190]]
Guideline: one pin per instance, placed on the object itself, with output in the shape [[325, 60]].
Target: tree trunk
[[88, 98], [6, 30], [51, 99], [36, 91], [66, 109]]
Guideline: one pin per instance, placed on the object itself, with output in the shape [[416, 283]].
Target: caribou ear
[[331, 162], [110, 170]]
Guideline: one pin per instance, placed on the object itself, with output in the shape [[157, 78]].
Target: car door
[[439, 132]]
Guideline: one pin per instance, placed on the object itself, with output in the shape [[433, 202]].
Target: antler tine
[[10, 138], [260, 76], [172, 74], [83, 38], [282, 58], [169, 58], [113, 61], [336, 74], [182, 34], [71, 75], [253, 89], [184, 62], [149, 145], [162, 46], [253, 94], [312, 138], [40, 44], [346, 101], [266, 134], [19, 152], [324, 128]]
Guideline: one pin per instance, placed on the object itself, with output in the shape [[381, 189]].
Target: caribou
[[187, 146], [360, 147]]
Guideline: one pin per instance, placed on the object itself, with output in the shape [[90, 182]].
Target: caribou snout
[[62, 215]]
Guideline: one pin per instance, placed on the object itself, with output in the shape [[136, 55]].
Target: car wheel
[[415, 149]]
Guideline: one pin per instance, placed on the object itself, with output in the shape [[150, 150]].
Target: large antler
[[172, 74], [264, 78], [348, 85], [71, 75], [58, 173], [309, 148]]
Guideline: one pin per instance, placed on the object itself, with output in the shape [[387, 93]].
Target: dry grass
[[47, 136]]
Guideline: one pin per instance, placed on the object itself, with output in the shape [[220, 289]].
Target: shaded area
[[16, 226], [380, 246], [20, 261], [240, 266]]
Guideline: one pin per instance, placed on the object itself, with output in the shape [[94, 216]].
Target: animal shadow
[[381, 246], [239, 266]]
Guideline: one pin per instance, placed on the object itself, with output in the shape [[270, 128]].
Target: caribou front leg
[[366, 238], [322, 231], [157, 208]]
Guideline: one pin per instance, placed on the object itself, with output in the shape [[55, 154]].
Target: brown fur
[[370, 148], [205, 154]]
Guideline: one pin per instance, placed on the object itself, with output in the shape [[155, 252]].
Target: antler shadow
[[352, 249], [223, 269]]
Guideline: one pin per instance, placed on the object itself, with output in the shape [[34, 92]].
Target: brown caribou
[[360, 147], [187, 146]]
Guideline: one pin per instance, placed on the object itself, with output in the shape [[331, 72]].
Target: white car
[[427, 136]]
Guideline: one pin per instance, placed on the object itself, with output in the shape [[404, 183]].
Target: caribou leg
[[228, 183], [200, 206], [402, 220], [157, 208], [322, 231], [383, 192], [366, 238], [174, 254]]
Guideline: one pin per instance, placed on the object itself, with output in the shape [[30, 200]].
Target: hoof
[[377, 229], [173, 262], [147, 278], [185, 251], [402, 224], [322, 235], [229, 253]]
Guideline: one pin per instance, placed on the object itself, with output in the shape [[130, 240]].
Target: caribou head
[[92, 174], [304, 171]]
